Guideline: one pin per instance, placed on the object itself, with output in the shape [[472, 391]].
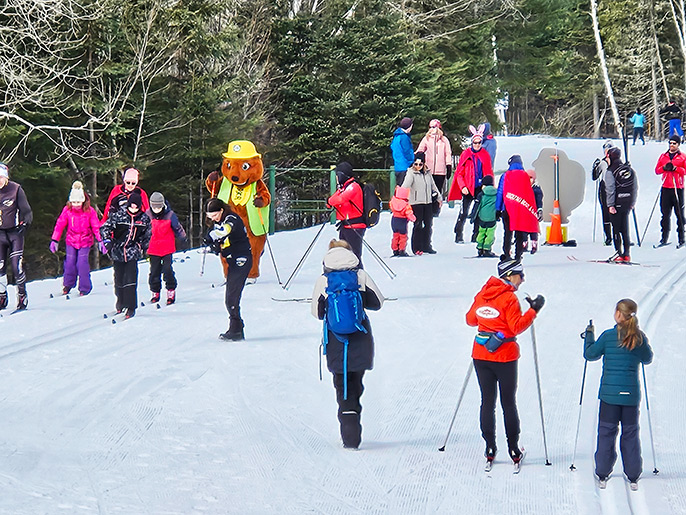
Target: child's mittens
[[53, 246]]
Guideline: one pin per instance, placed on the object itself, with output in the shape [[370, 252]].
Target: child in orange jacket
[[402, 212]]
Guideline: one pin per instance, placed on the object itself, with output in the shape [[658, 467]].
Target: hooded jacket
[[421, 185], [361, 345], [438, 153], [129, 234], [401, 148], [619, 384], [400, 207], [496, 309], [165, 229], [83, 227], [119, 197], [470, 170], [349, 204]]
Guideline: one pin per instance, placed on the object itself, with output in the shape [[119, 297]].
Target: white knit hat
[[76, 194], [4, 171]]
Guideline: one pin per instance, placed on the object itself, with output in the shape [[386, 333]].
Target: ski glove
[[53, 246], [498, 216], [219, 233], [102, 246], [537, 303], [669, 167], [539, 214], [21, 228]]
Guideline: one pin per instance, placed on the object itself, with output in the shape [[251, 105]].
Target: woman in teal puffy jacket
[[624, 348]]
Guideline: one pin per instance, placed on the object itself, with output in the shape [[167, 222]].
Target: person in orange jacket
[[499, 318]]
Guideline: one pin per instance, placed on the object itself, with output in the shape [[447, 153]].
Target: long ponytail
[[628, 330]]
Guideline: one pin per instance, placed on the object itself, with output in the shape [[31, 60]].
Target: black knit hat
[[675, 138], [420, 156], [614, 153], [214, 204], [487, 180], [510, 266], [516, 158], [406, 123], [134, 198], [344, 171]]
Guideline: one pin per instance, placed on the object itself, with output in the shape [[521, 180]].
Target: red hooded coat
[[465, 171], [520, 202]]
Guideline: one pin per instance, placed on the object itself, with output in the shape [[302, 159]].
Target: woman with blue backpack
[[340, 297]]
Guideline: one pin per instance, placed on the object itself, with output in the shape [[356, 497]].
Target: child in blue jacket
[[623, 348]]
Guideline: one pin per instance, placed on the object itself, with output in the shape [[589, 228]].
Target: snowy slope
[[156, 415]]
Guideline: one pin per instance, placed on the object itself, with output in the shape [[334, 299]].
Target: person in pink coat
[[439, 155], [401, 212], [83, 228]]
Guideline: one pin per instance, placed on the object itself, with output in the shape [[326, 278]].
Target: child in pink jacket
[[402, 212], [83, 228]]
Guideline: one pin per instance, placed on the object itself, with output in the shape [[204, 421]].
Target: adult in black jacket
[[360, 351], [15, 217], [621, 186], [126, 235], [229, 238], [598, 174]]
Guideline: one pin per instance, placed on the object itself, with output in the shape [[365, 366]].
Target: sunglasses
[[418, 163], [130, 183], [673, 143]]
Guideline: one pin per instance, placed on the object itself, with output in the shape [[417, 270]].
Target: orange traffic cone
[[555, 233]]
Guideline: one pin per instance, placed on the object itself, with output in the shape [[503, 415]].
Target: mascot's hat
[[241, 149]]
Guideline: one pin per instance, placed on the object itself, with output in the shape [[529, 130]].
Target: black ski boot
[[351, 430], [155, 297], [22, 301]]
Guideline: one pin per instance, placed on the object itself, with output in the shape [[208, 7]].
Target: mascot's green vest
[[244, 196]]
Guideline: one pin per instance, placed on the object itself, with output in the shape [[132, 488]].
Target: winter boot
[[480, 252], [155, 297], [130, 313], [171, 297], [3, 300], [403, 253], [65, 290], [22, 301], [516, 455], [534, 247], [490, 453], [351, 430], [488, 254], [235, 336], [396, 252]]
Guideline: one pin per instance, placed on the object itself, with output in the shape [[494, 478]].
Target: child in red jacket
[[402, 212], [165, 229]]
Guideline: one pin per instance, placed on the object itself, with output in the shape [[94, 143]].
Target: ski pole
[[638, 233], [595, 208], [581, 400], [650, 424], [540, 398], [204, 256], [302, 260], [651, 215], [383, 264], [269, 246], [459, 401]]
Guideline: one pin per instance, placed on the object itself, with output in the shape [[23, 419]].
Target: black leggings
[[492, 375], [12, 251], [672, 199], [423, 226], [620, 229], [239, 268]]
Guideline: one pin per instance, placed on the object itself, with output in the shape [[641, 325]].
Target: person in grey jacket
[[347, 363], [623, 348], [422, 191], [598, 174]]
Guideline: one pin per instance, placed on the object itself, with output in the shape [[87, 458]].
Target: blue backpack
[[344, 313]]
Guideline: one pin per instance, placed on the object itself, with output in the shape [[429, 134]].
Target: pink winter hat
[[435, 124], [532, 174]]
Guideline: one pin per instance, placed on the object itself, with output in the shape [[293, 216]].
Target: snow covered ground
[[155, 415]]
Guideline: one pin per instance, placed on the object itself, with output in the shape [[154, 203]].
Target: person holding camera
[[499, 318], [672, 166], [623, 348]]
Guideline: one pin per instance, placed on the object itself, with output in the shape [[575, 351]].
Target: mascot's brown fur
[[240, 185]]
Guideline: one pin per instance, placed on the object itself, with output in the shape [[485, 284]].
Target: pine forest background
[[89, 87]]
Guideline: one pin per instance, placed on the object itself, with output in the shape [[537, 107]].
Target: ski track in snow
[[156, 415]]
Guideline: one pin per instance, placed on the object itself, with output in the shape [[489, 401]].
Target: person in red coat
[[165, 229], [520, 205], [347, 201], [672, 166], [499, 318], [473, 165], [119, 196]]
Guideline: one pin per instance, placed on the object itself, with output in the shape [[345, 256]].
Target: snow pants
[[12, 252], [620, 229], [485, 238], [126, 284], [399, 227], [609, 419], [423, 227], [493, 375], [350, 409], [638, 133], [76, 266], [464, 214], [161, 266], [672, 199], [354, 237], [239, 268], [605, 212]]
